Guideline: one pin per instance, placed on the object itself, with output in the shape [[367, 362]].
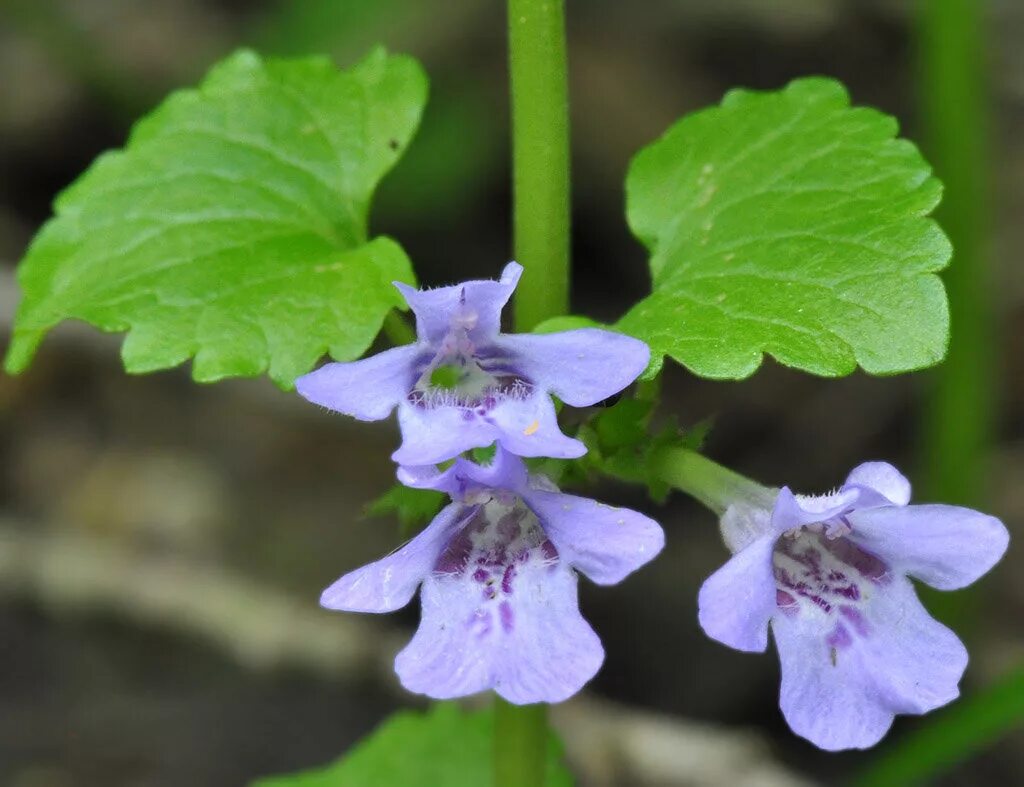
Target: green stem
[[714, 486], [540, 157], [959, 416], [540, 183], [520, 744]]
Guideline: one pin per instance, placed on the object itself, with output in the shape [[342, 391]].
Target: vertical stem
[[540, 157], [520, 744], [540, 184], [959, 420]]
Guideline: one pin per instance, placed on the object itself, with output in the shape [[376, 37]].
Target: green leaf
[[952, 735], [566, 322], [233, 226], [445, 747], [792, 224], [413, 507]]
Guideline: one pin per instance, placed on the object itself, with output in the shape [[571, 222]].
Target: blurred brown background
[[163, 544]]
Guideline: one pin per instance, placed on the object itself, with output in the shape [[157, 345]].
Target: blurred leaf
[[413, 507], [789, 223], [445, 747], [328, 25], [951, 736], [233, 226], [455, 156]]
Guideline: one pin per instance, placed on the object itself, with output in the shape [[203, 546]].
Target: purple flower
[[830, 574], [464, 384], [499, 591]]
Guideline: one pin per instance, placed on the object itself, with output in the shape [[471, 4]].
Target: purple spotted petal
[[390, 583], [450, 655], [580, 367], [792, 511], [479, 304], [946, 546], [737, 601], [368, 389], [603, 542], [843, 680], [880, 483], [834, 707], [535, 648]]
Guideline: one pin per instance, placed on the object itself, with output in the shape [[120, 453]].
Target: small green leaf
[[624, 424], [484, 455], [233, 226], [792, 224], [445, 747], [446, 376], [413, 507]]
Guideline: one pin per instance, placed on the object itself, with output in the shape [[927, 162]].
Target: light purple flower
[[498, 586], [830, 574], [502, 382]]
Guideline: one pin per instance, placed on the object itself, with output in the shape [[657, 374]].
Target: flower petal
[[792, 511], [450, 654], [604, 543], [882, 484], [390, 583], [541, 650], [367, 389], [529, 427], [946, 546], [437, 434], [506, 471], [915, 661], [842, 692], [737, 601], [477, 303], [581, 367], [834, 706], [552, 651], [524, 426]]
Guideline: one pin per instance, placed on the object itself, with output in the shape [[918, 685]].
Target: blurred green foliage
[[444, 746]]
